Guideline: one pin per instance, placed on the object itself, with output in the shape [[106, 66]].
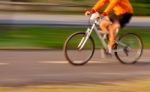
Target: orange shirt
[[119, 6]]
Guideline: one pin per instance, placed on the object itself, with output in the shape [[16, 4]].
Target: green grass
[[127, 86], [47, 37]]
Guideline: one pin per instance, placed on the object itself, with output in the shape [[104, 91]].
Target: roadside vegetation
[[33, 37]]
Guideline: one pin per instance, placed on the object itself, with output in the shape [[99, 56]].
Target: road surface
[[59, 20], [29, 67]]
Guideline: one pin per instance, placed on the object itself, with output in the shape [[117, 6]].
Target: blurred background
[[141, 7], [38, 24]]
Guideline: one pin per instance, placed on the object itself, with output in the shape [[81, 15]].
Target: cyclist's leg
[[117, 22], [112, 34], [110, 26], [104, 24]]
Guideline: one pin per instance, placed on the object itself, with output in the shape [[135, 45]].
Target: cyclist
[[122, 14]]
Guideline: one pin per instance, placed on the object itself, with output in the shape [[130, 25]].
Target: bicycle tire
[[66, 49], [139, 53]]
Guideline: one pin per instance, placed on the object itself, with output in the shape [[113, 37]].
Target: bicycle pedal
[[108, 54]]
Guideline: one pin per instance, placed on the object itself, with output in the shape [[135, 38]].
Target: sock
[[109, 49]]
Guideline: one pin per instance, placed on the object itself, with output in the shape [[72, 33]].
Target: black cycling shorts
[[122, 19]]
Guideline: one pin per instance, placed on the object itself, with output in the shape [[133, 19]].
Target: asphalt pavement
[[33, 67]]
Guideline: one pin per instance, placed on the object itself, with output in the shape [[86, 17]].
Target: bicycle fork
[[85, 38]]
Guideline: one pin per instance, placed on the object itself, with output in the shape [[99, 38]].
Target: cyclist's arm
[[99, 5], [111, 5]]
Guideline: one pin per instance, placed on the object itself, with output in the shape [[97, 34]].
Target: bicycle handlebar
[[95, 18]]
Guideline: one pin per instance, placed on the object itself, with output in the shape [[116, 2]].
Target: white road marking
[[53, 62], [66, 62], [4, 63]]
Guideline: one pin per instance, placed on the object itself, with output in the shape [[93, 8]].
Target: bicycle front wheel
[[78, 51], [129, 48]]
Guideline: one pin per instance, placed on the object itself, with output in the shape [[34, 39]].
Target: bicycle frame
[[102, 35]]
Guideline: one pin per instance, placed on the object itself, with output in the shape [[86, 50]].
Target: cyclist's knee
[[104, 25], [115, 25]]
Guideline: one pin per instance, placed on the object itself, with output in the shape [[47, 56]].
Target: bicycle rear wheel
[[74, 54], [129, 48]]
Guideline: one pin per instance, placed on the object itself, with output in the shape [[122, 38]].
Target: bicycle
[[128, 48]]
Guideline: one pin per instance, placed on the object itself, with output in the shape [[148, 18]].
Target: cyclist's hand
[[89, 12]]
